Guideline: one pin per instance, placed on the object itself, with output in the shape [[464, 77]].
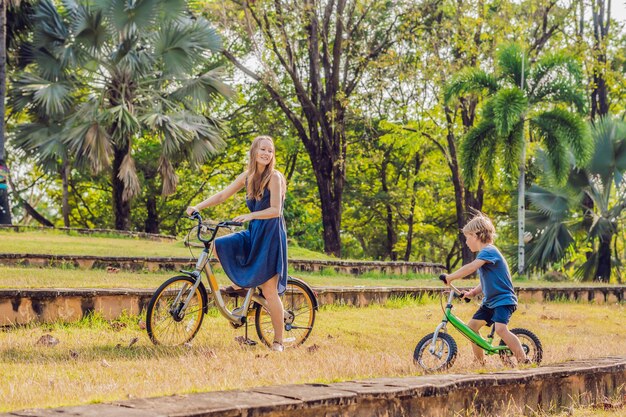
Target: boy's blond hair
[[482, 227]]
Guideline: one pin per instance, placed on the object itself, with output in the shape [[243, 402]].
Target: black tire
[[164, 327], [443, 357], [300, 305], [530, 343]]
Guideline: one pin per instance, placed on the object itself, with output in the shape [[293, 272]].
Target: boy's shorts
[[500, 314]]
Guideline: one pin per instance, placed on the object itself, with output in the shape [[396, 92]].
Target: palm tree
[[132, 69], [602, 181], [525, 102]]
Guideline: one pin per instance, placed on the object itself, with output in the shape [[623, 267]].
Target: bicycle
[[437, 351], [178, 306]]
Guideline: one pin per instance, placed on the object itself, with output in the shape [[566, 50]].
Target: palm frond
[[560, 91], [128, 175], [168, 175], [472, 149], [512, 147], [559, 65], [549, 245], [203, 89], [559, 130], [551, 203], [609, 157], [46, 97], [510, 60], [509, 106], [89, 29], [129, 18], [470, 80]]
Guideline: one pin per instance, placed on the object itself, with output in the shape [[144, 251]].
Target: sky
[[618, 10]]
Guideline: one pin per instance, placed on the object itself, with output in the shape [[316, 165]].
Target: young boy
[[499, 300]]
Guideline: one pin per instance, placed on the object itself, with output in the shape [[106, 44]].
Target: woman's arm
[[465, 270], [222, 196], [276, 194]]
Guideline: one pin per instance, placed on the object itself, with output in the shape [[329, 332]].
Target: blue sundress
[[253, 256]]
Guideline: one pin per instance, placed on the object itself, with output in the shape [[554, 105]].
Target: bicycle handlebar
[[196, 216], [458, 292]]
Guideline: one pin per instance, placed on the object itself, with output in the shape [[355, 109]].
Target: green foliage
[[554, 219]]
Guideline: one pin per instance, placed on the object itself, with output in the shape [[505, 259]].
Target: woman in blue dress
[[257, 257]]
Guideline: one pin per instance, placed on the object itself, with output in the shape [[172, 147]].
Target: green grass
[[94, 360], [60, 243], [71, 277]]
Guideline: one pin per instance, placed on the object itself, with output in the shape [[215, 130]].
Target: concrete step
[[19, 306], [174, 264], [550, 388]]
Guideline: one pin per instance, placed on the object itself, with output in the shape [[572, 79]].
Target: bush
[[555, 276]]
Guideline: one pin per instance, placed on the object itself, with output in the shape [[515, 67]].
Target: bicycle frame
[[464, 329], [239, 315]]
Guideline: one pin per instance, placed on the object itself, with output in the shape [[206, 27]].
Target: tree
[[523, 97], [5, 210], [601, 181], [311, 56], [133, 69]]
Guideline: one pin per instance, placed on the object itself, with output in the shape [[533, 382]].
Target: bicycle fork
[[433, 343]]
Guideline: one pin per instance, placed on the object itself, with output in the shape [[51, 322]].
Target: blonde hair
[[481, 226], [257, 181]]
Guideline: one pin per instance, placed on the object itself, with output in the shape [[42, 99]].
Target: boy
[[499, 300]]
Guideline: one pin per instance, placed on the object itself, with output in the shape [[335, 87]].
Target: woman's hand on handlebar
[[191, 210]]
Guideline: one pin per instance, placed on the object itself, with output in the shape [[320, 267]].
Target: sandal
[[277, 346], [231, 291]]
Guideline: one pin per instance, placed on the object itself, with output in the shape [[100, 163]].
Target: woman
[[257, 257]]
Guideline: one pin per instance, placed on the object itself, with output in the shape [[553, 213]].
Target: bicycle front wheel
[[300, 306], [440, 357], [167, 324]]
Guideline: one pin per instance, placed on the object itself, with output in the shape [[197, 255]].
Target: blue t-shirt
[[495, 278]]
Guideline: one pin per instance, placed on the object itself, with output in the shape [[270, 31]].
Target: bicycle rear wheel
[[300, 306], [530, 343], [165, 322]]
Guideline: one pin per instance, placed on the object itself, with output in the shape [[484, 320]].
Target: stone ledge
[[175, 263], [22, 306], [546, 388]]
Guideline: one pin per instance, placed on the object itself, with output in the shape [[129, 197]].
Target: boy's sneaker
[[277, 347]]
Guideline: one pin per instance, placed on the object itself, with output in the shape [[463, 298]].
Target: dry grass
[[93, 361]]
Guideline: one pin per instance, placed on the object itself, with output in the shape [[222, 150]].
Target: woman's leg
[[275, 304]]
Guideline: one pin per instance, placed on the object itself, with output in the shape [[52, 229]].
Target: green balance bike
[[437, 351]]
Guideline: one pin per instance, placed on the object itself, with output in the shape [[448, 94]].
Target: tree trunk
[[5, 209], [392, 237], [459, 189], [330, 192], [411, 219], [152, 221], [121, 208], [65, 174], [603, 271], [521, 212], [601, 16]]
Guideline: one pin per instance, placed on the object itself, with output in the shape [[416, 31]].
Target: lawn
[[63, 243], [97, 361]]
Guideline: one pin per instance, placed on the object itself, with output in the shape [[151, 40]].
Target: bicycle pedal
[[245, 341], [235, 325]]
